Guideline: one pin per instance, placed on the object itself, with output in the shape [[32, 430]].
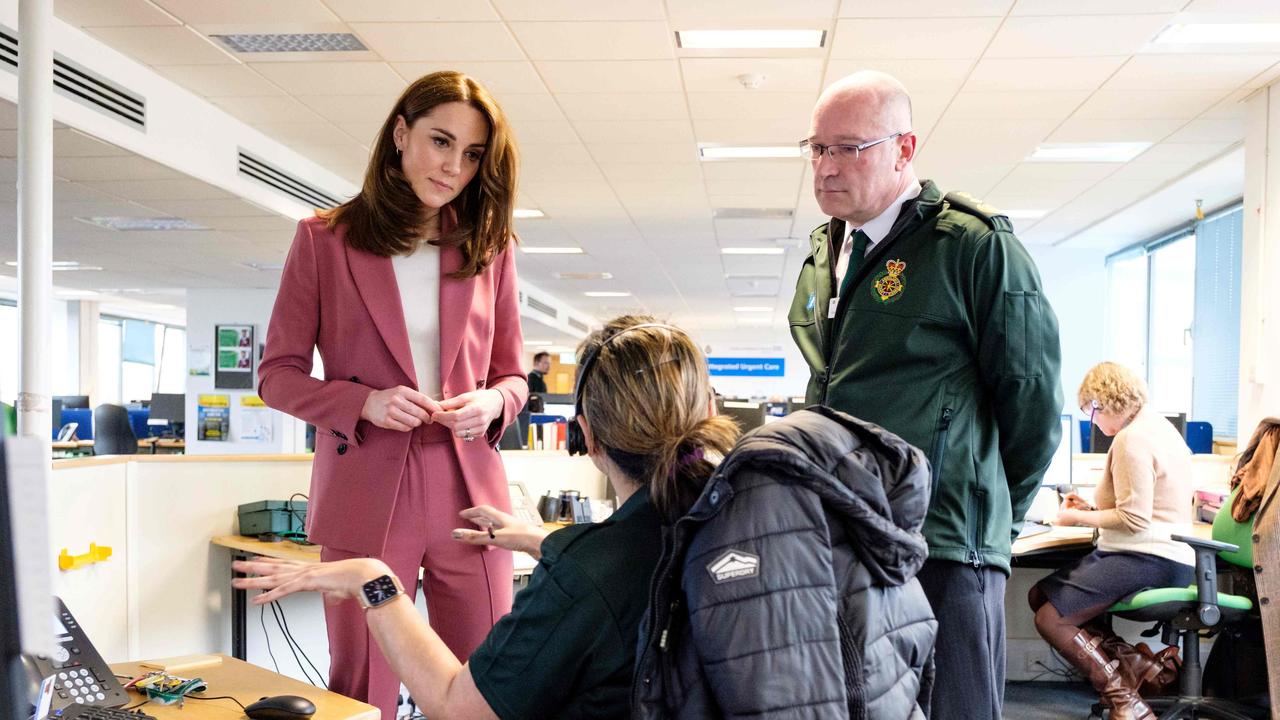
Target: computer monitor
[[750, 415], [70, 402], [168, 409], [1059, 472], [1179, 421], [1099, 442]]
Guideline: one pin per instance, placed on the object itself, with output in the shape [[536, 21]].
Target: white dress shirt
[[418, 277], [876, 229]]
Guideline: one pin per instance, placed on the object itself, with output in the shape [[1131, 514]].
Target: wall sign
[[233, 355], [747, 367]]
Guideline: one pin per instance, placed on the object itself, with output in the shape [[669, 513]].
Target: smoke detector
[[752, 81]]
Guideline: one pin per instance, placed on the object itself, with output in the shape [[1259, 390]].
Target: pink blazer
[[346, 303]]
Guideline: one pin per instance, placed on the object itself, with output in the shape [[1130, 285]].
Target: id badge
[[831, 308]]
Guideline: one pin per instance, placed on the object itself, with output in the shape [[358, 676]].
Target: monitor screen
[[1059, 472], [169, 407], [74, 401], [750, 415]]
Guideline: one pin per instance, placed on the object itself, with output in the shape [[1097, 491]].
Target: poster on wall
[[199, 361], [233, 354], [255, 420], [213, 413]]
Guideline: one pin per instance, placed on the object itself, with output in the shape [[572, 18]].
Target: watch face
[[380, 590]]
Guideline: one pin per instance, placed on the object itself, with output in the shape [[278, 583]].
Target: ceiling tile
[[1229, 10], [164, 45], [795, 107], [553, 153], [228, 207], [530, 107], [583, 170], [783, 192], [640, 76], [545, 132], [927, 8], [750, 232], [412, 10], [68, 142], [110, 168], [1087, 130], [1179, 72], [497, 77], [267, 109], [780, 75], [346, 156], [407, 42], [317, 133], [961, 38], [230, 12], [942, 77], [620, 106], [634, 172], [1137, 104], [220, 80], [1081, 73], [167, 189], [332, 78], [635, 131], [750, 170], [119, 13], [372, 109], [551, 10], [751, 131], [618, 152], [595, 40], [1096, 7], [1055, 104], [715, 12], [1210, 130], [1075, 36], [1168, 160]]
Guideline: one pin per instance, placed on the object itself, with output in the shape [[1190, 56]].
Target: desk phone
[[80, 676], [523, 506]]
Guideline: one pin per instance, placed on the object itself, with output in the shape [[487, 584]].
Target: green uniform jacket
[[944, 337]]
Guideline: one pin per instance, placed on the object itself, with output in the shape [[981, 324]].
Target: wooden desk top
[[284, 550], [246, 683], [1066, 537]]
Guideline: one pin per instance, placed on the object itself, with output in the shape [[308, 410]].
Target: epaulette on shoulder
[[970, 205]]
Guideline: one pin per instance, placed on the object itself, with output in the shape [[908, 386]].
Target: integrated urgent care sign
[[746, 367]]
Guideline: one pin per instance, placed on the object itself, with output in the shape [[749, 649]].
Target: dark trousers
[[969, 656]]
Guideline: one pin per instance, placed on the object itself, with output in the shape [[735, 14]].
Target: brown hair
[[645, 400], [1115, 387], [385, 218]]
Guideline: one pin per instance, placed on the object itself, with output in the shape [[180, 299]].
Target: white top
[[418, 277], [876, 229]]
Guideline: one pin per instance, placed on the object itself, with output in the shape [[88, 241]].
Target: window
[[109, 334], [137, 358], [9, 353], [1174, 318]]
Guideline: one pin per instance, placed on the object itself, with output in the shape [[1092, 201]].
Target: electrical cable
[[275, 610], [289, 633], [217, 697], [262, 612]]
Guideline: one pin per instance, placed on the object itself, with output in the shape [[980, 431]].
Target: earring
[[398, 151]]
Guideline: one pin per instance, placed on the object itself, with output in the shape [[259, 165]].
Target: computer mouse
[[281, 707]]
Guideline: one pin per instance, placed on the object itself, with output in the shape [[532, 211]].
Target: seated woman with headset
[[567, 649], [1143, 498]]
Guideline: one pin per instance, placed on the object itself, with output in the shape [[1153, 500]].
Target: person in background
[[1144, 497], [538, 375], [568, 647], [408, 292], [921, 312]]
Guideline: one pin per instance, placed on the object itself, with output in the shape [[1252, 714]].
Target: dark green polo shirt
[[568, 648]]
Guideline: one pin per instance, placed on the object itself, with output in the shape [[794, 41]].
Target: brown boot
[[1081, 650], [1147, 672]]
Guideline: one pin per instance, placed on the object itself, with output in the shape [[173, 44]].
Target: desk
[[1061, 545], [152, 445], [247, 683]]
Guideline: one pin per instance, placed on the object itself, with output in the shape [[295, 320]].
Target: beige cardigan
[[1146, 488]]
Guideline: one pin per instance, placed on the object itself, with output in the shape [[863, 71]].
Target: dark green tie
[[860, 243]]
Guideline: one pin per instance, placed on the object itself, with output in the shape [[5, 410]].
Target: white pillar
[[35, 215], [1260, 265]]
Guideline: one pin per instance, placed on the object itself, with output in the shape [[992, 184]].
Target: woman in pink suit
[[408, 291]]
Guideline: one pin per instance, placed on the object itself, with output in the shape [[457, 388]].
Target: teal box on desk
[[273, 516]]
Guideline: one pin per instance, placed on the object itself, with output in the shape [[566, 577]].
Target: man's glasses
[[842, 153]]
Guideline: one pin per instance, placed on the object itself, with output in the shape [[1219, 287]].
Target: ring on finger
[[467, 436]]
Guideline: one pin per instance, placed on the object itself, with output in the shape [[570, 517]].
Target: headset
[[575, 443]]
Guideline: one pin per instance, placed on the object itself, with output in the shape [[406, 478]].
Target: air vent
[[291, 42], [542, 307], [82, 85], [282, 181], [577, 324]]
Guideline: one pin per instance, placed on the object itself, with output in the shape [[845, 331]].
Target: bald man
[[921, 312]]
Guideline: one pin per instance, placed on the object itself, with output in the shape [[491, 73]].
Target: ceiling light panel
[[291, 42], [130, 224], [1257, 33]]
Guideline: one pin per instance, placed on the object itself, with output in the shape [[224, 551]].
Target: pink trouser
[[467, 588]]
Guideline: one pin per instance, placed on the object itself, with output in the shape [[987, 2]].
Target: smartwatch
[[380, 591]]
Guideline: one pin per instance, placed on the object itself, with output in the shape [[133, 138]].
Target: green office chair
[[9, 419], [1183, 614]]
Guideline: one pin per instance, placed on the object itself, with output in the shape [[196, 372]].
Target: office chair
[[1181, 614], [9, 420], [113, 433]]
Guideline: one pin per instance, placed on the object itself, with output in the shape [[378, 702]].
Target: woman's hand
[[501, 530], [1073, 501], [1067, 517], [399, 408], [341, 579], [468, 415]]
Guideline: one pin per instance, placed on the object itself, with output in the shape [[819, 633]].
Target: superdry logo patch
[[734, 565]]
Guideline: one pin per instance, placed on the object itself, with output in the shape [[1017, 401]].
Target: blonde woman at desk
[[1143, 498]]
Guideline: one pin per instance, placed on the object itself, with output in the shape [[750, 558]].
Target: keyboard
[[91, 712]]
